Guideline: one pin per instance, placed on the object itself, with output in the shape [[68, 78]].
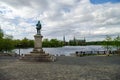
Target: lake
[[66, 50]]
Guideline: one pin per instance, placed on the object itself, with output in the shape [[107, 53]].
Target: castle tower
[[64, 41]]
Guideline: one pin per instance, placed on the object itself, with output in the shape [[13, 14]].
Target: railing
[[84, 53]]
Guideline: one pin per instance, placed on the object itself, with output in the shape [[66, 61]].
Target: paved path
[[65, 68]]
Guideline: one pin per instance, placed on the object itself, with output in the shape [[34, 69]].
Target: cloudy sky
[[92, 19]]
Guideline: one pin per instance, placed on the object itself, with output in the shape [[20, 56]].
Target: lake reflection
[[66, 50]]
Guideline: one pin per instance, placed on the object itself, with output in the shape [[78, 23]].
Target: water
[[66, 50]]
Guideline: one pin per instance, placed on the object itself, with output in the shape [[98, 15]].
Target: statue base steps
[[40, 57]]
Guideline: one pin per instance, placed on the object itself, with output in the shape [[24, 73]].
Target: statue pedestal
[[38, 54], [38, 44]]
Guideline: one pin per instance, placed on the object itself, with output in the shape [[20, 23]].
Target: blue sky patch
[[30, 20], [67, 10], [104, 1]]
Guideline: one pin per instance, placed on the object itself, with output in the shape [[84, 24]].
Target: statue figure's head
[[38, 22]]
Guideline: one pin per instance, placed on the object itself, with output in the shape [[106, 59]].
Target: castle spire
[[64, 41]]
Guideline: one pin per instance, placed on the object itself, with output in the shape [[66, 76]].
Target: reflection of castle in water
[[74, 41]]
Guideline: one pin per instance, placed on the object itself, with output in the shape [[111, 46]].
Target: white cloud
[[71, 18]]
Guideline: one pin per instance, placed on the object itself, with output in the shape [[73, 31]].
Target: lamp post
[[19, 45]]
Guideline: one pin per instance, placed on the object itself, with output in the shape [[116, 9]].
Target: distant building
[[76, 42], [64, 41]]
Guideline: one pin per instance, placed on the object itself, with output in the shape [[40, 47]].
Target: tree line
[[7, 43], [108, 43]]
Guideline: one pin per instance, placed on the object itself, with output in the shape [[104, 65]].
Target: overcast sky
[[92, 19]]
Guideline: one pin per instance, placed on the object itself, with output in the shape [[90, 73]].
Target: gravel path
[[65, 68]]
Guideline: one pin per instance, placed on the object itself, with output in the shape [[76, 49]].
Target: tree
[[8, 36], [108, 43], [51, 43], [31, 43], [8, 44], [54, 43], [117, 42], [1, 45], [1, 33], [46, 43], [71, 42], [1, 40], [25, 43], [16, 42]]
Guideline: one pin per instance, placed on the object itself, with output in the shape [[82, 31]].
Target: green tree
[[31, 43], [1, 33], [1, 45], [54, 43], [1, 40], [51, 43], [108, 42], [8, 44], [16, 42], [46, 43], [72, 42], [117, 42], [24, 43]]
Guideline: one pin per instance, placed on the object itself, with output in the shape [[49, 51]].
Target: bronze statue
[[38, 27]]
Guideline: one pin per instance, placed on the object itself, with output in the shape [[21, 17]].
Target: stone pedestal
[[38, 44], [38, 54]]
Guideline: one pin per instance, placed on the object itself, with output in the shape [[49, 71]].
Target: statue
[[38, 54], [38, 27]]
